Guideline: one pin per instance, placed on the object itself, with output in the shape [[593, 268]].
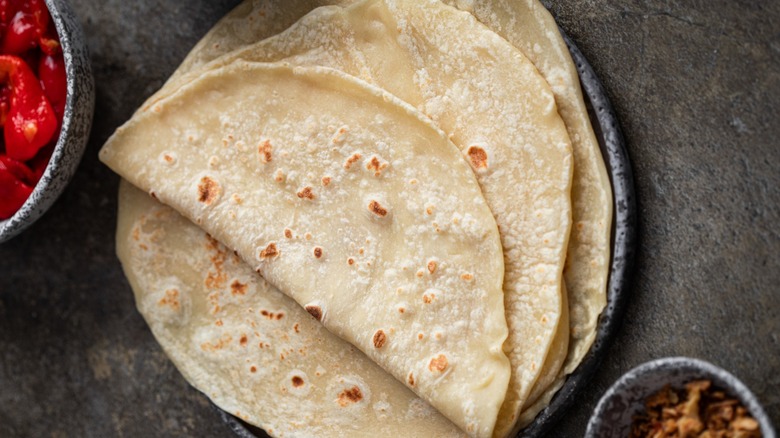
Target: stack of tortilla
[[369, 217]]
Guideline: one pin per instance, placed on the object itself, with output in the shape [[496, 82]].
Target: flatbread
[[254, 351], [351, 203], [495, 106], [529, 26]]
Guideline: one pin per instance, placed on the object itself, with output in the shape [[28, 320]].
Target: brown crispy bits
[[351, 160], [238, 288], [269, 251], [379, 339], [297, 381], [208, 190], [264, 150], [699, 410], [376, 166], [438, 364], [170, 299], [350, 396], [315, 311], [317, 252], [377, 209], [478, 157], [306, 193]]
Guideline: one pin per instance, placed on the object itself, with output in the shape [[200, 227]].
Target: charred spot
[[376, 166], [379, 339], [208, 190], [376, 208], [238, 288], [317, 252], [296, 328], [350, 396], [410, 379], [478, 157], [350, 261], [269, 251], [427, 299], [315, 311], [432, 265], [352, 160], [153, 195], [279, 316], [438, 364], [168, 159], [297, 381], [253, 369], [243, 340], [171, 299], [326, 181], [288, 233], [467, 277], [264, 150], [306, 193]]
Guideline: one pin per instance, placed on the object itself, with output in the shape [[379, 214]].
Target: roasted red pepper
[[51, 71], [31, 121], [32, 98], [13, 193]]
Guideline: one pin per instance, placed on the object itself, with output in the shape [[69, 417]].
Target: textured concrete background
[[696, 85]]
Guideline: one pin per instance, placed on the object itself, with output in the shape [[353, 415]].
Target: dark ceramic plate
[[613, 150]]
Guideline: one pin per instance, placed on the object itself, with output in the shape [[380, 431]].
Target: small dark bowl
[[76, 122], [626, 398]]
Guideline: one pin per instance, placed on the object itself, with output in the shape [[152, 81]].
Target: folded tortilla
[[496, 108], [254, 351], [347, 200]]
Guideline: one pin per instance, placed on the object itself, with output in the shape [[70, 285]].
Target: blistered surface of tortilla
[[529, 26], [500, 112], [254, 351], [348, 201]]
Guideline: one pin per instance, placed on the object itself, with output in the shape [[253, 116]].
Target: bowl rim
[[735, 388], [70, 33]]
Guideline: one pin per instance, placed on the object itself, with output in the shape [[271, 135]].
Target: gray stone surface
[[696, 86]]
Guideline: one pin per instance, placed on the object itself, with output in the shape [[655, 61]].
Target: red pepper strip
[[13, 193], [18, 169], [22, 34], [31, 121], [5, 103], [51, 71]]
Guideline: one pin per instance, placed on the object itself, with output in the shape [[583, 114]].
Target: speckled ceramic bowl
[[76, 122], [626, 398]]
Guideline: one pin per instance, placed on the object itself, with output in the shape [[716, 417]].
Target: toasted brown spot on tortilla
[[269, 251], [326, 181], [427, 299], [401, 310], [238, 288], [432, 266], [297, 381], [317, 252], [296, 328], [379, 339], [376, 208], [224, 340], [350, 261], [153, 195], [243, 340], [171, 299], [279, 176], [478, 157], [410, 379], [315, 311], [253, 369], [429, 210], [307, 236], [288, 233], [279, 315], [420, 336], [467, 277], [376, 165], [438, 364], [264, 150], [351, 160], [306, 193], [168, 159], [218, 323], [349, 396], [208, 190]]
